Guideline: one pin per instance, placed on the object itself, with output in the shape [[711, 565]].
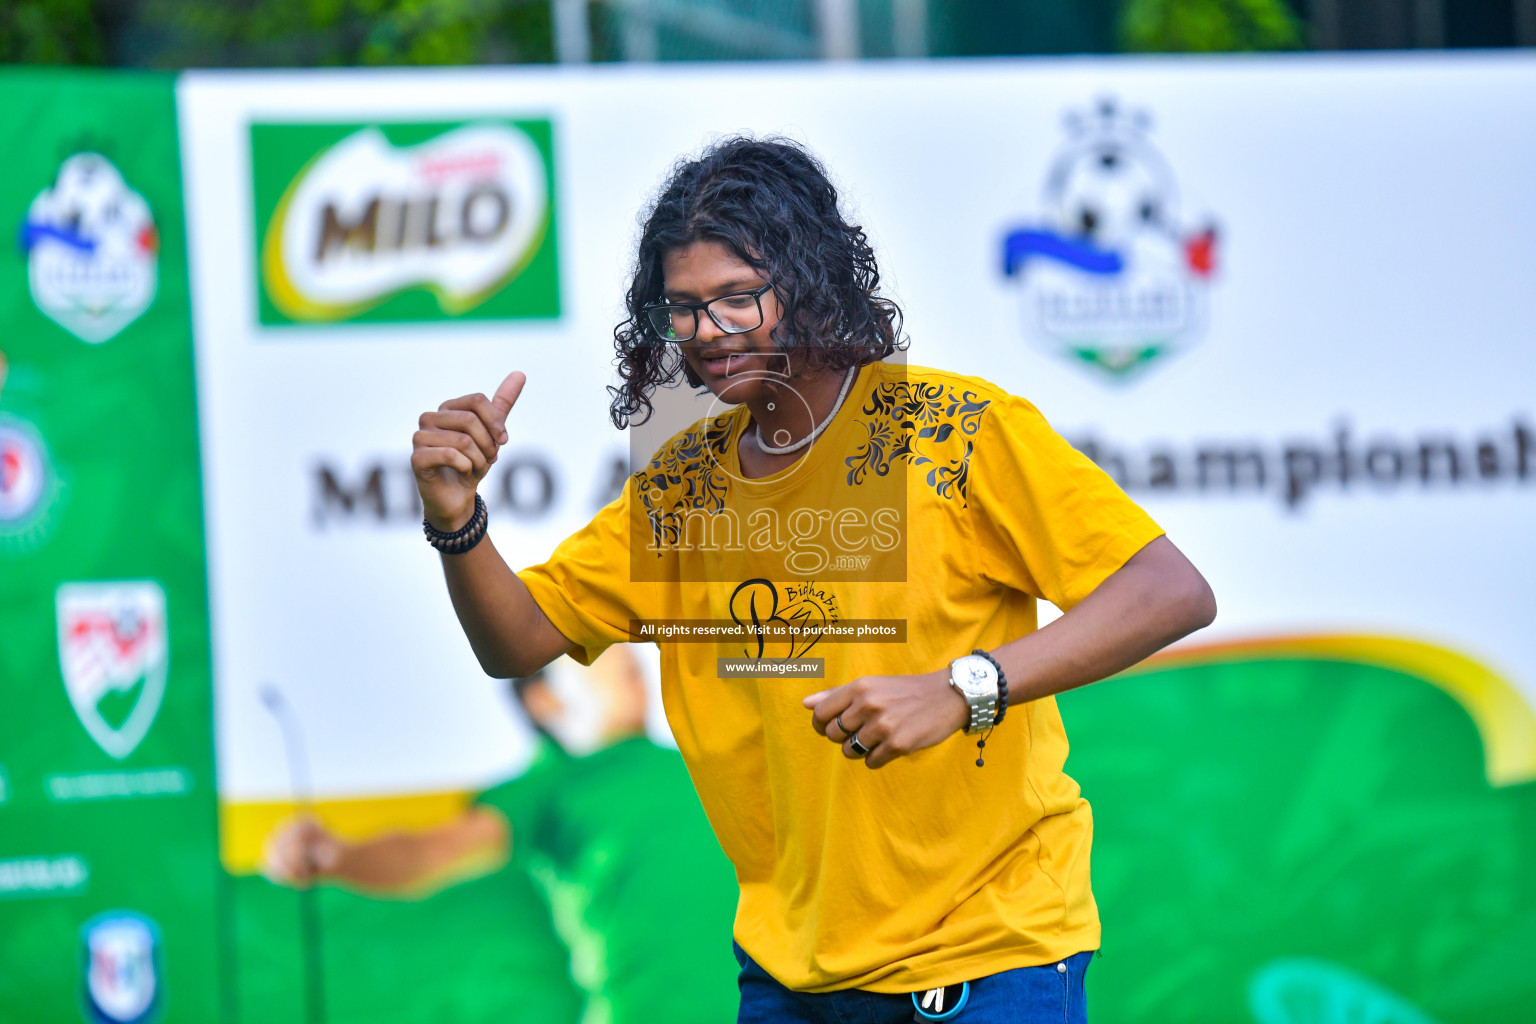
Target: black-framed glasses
[[736, 313]]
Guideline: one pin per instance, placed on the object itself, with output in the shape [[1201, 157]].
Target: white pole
[[837, 29], [909, 27], [1429, 24], [1327, 33], [1525, 22], [573, 33], [638, 36]]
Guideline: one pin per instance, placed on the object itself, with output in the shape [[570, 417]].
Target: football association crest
[[91, 248], [114, 656], [122, 973], [1110, 273]]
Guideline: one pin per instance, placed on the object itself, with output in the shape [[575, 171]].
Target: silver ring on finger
[[838, 721], [854, 745]]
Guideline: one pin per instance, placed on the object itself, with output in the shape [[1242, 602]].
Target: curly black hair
[[771, 204]]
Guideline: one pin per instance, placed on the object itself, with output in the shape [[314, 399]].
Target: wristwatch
[[976, 678]]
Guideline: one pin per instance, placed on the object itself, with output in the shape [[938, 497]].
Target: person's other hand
[[456, 446], [891, 715]]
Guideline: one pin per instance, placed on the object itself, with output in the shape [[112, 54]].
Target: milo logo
[[392, 223]]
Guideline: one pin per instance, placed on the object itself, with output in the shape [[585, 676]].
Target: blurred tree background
[[273, 33], [53, 32], [310, 33], [1183, 26]]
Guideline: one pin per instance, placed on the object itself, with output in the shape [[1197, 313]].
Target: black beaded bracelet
[[1002, 689], [1002, 707], [462, 539]]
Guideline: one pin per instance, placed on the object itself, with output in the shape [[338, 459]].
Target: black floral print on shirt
[[914, 422], [691, 465]]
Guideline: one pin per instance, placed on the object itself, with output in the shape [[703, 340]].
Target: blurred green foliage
[[274, 33], [52, 32], [1222, 26], [325, 33], [319, 33]]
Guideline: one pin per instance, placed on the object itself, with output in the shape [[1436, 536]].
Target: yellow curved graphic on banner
[[1504, 718]]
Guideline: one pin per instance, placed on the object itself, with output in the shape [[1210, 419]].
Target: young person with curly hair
[[840, 490]]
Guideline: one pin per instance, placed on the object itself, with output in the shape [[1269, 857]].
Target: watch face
[[975, 675]]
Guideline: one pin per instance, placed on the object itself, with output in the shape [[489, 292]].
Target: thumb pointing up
[[505, 398]]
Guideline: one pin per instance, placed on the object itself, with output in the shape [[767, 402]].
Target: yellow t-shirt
[[934, 500]]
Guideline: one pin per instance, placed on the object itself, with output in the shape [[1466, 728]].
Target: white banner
[[1288, 301]]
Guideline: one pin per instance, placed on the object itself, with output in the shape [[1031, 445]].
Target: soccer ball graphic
[[1112, 187]]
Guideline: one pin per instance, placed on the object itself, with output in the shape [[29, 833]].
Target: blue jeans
[[1026, 995]]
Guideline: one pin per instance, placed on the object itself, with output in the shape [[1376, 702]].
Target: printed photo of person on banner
[[605, 823]]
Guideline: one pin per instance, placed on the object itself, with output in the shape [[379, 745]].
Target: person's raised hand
[[456, 446], [891, 715], [300, 852]]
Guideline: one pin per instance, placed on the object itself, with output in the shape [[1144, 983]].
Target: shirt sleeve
[[587, 587], [1051, 523]]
